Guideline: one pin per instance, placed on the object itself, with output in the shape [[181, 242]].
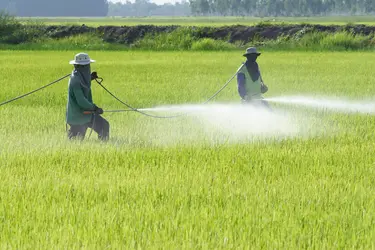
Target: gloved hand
[[245, 99], [94, 75], [98, 110], [263, 88]]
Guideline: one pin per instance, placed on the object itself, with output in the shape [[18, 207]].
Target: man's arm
[[81, 99], [241, 85], [263, 86]]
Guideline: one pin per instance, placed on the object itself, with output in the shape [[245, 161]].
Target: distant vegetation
[[15, 34], [212, 21], [281, 8], [55, 7], [146, 8], [138, 8]]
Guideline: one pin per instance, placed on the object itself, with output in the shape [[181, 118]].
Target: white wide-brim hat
[[82, 59]]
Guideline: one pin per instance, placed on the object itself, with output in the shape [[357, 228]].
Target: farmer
[[249, 80], [80, 101]]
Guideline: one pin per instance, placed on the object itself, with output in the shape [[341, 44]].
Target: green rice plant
[[181, 183], [171, 183]]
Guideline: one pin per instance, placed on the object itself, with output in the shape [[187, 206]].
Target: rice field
[[191, 182]]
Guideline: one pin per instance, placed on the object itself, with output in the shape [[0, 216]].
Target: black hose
[[118, 111], [222, 88], [122, 102], [36, 90], [132, 108]]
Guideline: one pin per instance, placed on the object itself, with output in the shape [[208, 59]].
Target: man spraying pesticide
[[249, 80], [82, 113]]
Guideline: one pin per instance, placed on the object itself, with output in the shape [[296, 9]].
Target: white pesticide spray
[[240, 123], [225, 123], [341, 105]]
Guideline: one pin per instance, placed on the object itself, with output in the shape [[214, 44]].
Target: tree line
[[54, 8], [92, 8], [281, 7], [146, 8]]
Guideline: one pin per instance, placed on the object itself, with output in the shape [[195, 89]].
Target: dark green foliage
[[13, 32], [8, 24]]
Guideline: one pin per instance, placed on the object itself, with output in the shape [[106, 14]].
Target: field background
[[203, 21], [162, 183], [189, 34]]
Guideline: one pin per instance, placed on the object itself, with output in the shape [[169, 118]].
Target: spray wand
[[109, 111]]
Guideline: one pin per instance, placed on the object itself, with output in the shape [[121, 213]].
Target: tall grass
[[208, 44], [179, 39], [82, 42], [321, 41], [345, 41]]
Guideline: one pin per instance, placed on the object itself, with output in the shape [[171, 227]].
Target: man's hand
[[246, 99], [263, 88], [94, 75], [98, 110]]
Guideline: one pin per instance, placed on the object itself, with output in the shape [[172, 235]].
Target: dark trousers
[[266, 104], [98, 124], [258, 103]]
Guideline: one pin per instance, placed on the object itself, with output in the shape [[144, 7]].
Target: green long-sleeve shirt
[[79, 100]]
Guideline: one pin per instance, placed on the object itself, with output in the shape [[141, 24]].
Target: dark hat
[[251, 50]]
